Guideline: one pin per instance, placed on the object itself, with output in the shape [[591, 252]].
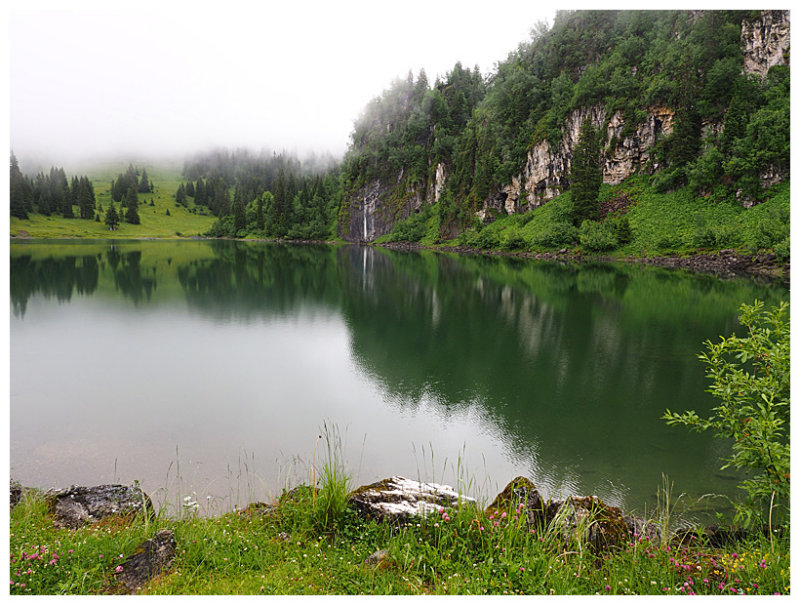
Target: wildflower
[[118, 569], [504, 515], [522, 569], [608, 587], [101, 556]]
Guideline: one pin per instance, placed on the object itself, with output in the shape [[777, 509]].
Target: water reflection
[[560, 372]]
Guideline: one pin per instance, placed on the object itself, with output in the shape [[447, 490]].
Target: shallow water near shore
[[207, 370]]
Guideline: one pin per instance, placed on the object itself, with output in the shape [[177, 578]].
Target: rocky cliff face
[[766, 41], [546, 173], [374, 208]]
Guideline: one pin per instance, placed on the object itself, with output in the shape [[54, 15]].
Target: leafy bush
[[782, 249], [621, 227], [514, 241], [559, 234], [597, 236], [411, 229], [483, 239], [770, 231], [750, 380]]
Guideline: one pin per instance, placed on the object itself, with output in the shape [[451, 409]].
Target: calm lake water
[[208, 370]]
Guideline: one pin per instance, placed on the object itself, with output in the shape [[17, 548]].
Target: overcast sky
[[176, 77]]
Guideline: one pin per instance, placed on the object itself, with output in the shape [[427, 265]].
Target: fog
[[171, 78]]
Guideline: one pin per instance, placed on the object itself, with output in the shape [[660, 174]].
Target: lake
[[206, 370]]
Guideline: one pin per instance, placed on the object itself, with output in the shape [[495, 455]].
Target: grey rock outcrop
[[77, 506], [16, 491], [397, 499], [584, 518], [546, 171], [151, 558], [766, 41]]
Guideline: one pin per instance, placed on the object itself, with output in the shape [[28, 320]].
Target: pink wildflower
[[118, 569]]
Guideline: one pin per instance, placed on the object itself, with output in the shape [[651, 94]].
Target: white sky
[[174, 77]]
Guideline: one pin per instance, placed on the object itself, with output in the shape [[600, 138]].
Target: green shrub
[[782, 249], [621, 227], [597, 237], [559, 234], [750, 380], [514, 241]]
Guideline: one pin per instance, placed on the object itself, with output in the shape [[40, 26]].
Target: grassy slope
[[666, 223], [291, 552], [154, 221]]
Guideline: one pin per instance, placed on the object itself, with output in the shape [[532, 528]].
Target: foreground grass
[[291, 551]]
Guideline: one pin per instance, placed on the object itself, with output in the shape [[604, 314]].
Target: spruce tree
[[112, 218], [586, 174], [239, 220], [180, 195], [132, 213], [144, 184], [20, 191]]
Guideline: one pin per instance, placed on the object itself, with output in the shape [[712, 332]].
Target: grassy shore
[[304, 545]]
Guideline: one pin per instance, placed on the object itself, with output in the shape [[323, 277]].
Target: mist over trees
[[266, 195], [49, 194]]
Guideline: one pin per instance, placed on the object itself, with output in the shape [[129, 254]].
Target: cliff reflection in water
[[570, 367], [575, 364]]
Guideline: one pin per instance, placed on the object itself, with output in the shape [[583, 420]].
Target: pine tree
[[200, 197], [586, 175], [180, 195], [112, 218], [144, 184], [132, 213], [239, 219], [20, 191]]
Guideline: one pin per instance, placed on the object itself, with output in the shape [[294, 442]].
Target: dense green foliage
[[750, 380], [626, 61], [49, 193], [273, 196]]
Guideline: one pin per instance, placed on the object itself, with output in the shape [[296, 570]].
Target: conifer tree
[[112, 218], [239, 219], [20, 194], [180, 195], [144, 184], [586, 174], [132, 213]]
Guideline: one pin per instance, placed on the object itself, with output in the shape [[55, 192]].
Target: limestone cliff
[[547, 170], [766, 41]]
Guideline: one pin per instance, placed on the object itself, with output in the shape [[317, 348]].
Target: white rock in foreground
[[398, 498]]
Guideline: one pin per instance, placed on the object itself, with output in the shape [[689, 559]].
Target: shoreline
[[725, 264]]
